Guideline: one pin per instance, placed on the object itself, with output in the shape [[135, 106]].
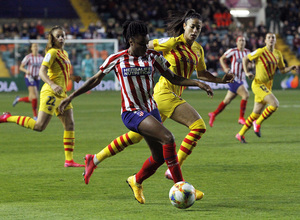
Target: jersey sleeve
[[25, 60], [228, 53], [108, 64], [164, 44], [255, 54], [49, 58]]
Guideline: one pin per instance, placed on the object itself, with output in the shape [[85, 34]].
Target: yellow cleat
[[199, 194], [137, 189]]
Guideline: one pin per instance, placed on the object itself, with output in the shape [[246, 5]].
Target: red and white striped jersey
[[237, 62], [33, 64], [135, 75]]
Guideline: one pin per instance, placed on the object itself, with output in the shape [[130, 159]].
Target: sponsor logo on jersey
[[136, 71]]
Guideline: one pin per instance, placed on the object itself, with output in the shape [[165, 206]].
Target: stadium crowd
[[219, 29]]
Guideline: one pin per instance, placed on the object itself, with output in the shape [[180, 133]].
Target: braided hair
[[177, 19], [133, 29]]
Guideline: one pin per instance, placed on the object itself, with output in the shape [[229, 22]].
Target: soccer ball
[[182, 195]]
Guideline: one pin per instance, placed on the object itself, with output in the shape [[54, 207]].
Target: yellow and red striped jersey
[[59, 65], [184, 59], [266, 63]]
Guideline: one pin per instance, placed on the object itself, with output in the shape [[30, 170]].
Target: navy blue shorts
[[32, 82], [132, 120], [233, 87]]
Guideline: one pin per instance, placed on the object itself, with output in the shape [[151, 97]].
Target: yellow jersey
[[59, 67], [184, 59], [266, 63]]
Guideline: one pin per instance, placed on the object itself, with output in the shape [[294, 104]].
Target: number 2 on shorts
[[51, 100]]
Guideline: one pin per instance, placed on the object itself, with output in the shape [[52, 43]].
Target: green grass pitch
[[258, 180]]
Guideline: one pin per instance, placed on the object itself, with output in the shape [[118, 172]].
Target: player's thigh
[[167, 101], [33, 92], [243, 92], [229, 97], [185, 114]]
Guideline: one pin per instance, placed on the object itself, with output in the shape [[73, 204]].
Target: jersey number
[[51, 100], [263, 88]]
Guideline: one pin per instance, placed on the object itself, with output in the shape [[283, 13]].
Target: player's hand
[[250, 76], [76, 78], [64, 103], [206, 88], [56, 89], [228, 77]]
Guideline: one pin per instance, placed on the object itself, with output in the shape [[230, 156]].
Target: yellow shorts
[[49, 102], [166, 101], [260, 91]]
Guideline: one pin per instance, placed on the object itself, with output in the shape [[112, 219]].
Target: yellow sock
[[266, 114], [197, 129], [69, 142], [23, 121], [118, 145], [253, 116]]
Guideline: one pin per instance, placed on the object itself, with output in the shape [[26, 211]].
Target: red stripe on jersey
[[177, 62], [140, 83], [272, 57], [64, 62], [268, 70], [191, 63], [182, 57]]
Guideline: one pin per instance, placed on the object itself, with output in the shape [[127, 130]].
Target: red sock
[[220, 108], [170, 155], [24, 99], [34, 107], [148, 169], [243, 108]]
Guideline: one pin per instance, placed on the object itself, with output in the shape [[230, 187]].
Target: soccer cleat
[[89, 168], [16, 101], [168, 174], [199, 194], [4, 117], [256, 128], [137, 189], [212, 117], [240, 138], [241, 121], [71, 163]]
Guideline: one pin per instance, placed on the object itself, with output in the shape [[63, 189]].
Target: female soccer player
[[134, 68], [55, 72], [267, 59], [32, 62], [185, 55], [237, 87]]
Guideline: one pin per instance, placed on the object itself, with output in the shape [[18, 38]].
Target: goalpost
[[12, 52]]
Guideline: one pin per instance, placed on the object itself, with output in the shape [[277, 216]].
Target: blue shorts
[[233, 87], [32, 82], [132, 120]]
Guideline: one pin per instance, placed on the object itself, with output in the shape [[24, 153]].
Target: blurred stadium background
[[92, 24]]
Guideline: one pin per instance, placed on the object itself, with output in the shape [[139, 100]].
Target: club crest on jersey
[[136, 71], [139, 113]]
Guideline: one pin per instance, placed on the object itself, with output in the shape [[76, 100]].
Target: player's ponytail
[[177, 19]]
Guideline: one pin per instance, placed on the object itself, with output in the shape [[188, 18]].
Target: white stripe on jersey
[[33, 64], [135, 75], [236, 62]]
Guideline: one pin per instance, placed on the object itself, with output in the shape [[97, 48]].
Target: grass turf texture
[[258, 180]]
